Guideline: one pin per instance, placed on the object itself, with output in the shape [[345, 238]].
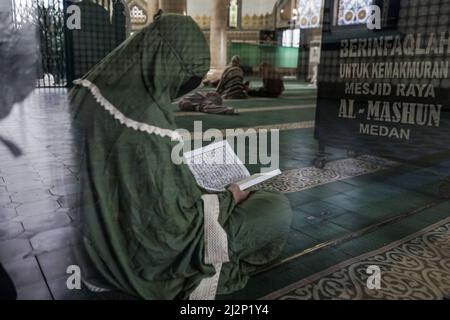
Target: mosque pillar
[[218, 38], [173, 6], [152, 9]]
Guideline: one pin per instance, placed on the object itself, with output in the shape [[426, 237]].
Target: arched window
[[353, 11], [308, 13]]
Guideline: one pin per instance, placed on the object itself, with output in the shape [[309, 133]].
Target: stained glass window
[[308, 13], [138, 15], [353, 11]]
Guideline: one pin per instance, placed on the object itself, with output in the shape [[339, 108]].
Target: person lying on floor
[[207, 102], [273, 85], [148, 227], [231, 85]]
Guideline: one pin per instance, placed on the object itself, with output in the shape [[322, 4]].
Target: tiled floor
[[38, 230], [38, 220]]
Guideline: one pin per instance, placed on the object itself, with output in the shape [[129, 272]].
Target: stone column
[[218, 39], [152, 9], [173, 6]]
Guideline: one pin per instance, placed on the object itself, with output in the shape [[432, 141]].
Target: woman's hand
[[238, 195]]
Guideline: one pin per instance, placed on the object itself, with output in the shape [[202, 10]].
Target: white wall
[[250, 7], [258, 7], [199, 7]]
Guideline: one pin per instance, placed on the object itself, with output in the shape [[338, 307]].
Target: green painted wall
[[252, 55]]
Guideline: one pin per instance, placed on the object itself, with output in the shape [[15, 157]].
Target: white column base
[[214, 74]]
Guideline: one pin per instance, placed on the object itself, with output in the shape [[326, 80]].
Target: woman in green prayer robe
[[144, 216]]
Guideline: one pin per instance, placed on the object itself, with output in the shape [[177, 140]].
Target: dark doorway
[[103, 28], [48, 16]]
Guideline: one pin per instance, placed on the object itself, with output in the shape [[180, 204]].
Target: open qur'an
[[216, 166]]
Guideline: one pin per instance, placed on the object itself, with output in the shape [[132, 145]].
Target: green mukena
[[143, 223]]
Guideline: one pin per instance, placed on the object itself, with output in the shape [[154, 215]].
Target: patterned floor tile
[[54, 264], [45, 222], [305, 178], [5, 199], [66, 189], [25, 185], [24, 272], [7, 214], [55, 239], [411, 268], [37, 291], [60, 291], [9, 230], [37, 208], [30, 196], [70, 201], [14, 249]]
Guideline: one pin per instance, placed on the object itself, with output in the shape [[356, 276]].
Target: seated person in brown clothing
[[231, 85], [273, 85]]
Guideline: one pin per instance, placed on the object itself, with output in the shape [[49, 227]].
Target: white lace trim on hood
[[129, 123]]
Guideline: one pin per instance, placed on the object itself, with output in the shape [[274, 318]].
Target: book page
[[216, 166], [258, 178]]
